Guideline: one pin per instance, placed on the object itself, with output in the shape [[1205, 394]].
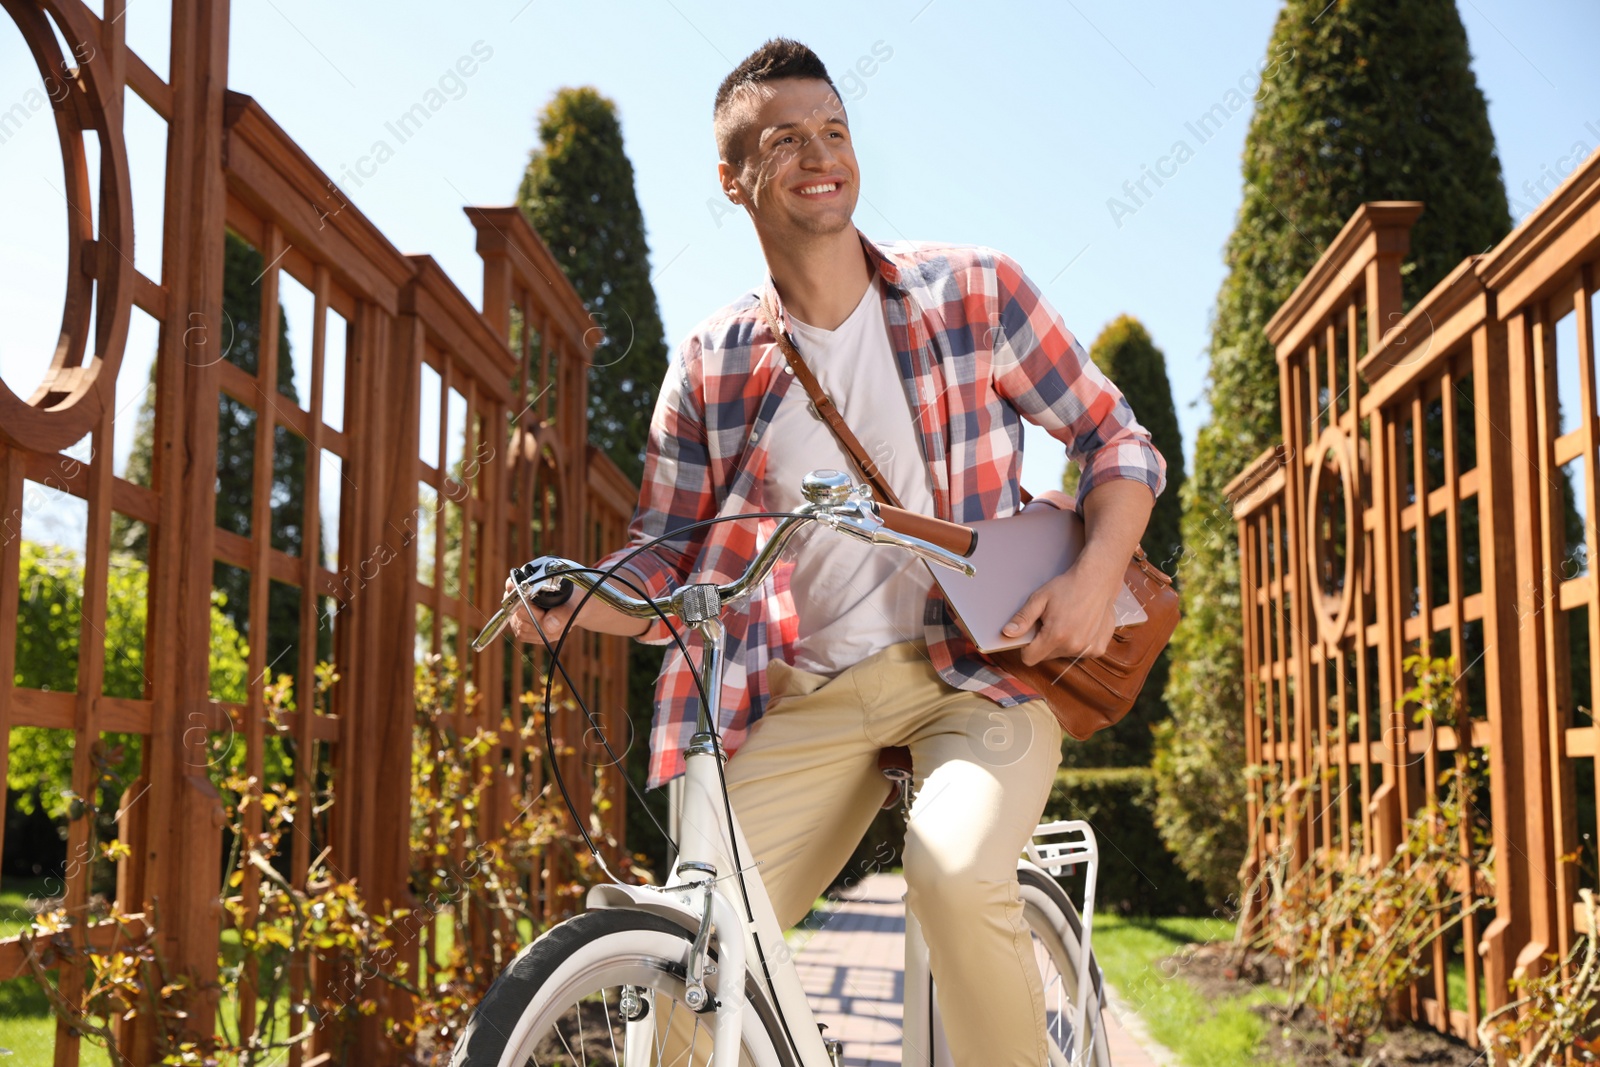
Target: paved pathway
[[851, 961]]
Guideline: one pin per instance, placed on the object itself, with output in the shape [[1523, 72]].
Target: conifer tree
[[578, 194], [1361, 100], [1125, 353]]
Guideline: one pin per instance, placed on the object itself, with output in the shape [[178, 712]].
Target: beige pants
[[805, 787]]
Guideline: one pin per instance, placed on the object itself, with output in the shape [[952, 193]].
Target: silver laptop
[[1014, 557]]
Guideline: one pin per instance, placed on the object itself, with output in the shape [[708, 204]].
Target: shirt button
[[753, 436]]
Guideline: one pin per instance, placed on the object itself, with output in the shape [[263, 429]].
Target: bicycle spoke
[[583, 1044], [665, 1032], [610, 1031], [563, 1039]]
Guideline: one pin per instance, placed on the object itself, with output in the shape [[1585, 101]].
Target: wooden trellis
[[1435, 493], [435, 445]]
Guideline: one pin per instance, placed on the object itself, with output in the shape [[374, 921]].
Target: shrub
[[1355, 930], [1556, 1013], [467, 878]]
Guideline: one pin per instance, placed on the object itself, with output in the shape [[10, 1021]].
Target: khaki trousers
[[805, 787]]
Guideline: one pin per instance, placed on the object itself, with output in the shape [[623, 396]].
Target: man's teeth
[[826, 187]]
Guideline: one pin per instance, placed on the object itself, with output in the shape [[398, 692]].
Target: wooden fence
[[1435, 493], [338, 440]]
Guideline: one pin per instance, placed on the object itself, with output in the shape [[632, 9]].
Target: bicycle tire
[[587, 955], [1058, 934]]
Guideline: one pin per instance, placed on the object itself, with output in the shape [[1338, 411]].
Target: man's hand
[[553, 622], [1075, 614], [597, 616], [1076, 610]]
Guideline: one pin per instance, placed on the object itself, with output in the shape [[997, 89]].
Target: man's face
[[799, 173]]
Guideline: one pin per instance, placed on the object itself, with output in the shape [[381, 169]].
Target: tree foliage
[[578, 194], [39, 773], [1365, 101], [1125, 353]]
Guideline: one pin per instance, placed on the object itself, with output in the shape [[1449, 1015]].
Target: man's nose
[[816, 152]]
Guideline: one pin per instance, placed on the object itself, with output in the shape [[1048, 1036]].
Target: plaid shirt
[[978, 349]]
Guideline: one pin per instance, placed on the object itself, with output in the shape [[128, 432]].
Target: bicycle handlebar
[[831, 499]]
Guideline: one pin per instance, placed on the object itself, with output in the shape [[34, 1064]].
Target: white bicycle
[[702, 958]]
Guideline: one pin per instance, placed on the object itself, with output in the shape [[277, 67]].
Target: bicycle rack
[[1058, 847], [1054, 852]]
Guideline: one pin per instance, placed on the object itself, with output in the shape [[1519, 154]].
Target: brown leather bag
[[1086, 693]]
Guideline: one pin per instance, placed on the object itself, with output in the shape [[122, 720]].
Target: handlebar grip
[[953, 537]]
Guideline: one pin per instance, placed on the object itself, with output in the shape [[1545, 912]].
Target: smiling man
[[934, 354]]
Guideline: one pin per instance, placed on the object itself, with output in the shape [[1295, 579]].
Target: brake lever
[[550, 590]]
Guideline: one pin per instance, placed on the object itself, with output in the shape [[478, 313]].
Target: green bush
[[1138, 876]]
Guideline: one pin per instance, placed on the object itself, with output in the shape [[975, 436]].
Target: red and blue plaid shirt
[[979, 350]]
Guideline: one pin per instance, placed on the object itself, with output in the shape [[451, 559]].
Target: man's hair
[[778, 58]]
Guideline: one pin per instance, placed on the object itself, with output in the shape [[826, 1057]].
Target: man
[[933, 353]]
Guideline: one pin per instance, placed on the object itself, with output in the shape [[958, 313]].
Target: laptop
[[1014, 557]]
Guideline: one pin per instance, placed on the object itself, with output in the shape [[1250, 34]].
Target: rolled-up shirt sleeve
[[1039, 366], [675, 491]]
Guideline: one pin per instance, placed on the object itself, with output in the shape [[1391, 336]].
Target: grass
[[27, 1029], [1201, 1032], [14, 896]]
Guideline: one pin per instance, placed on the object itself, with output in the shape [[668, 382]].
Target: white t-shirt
[[852, 599]]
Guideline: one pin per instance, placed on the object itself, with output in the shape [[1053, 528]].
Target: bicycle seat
[[895, 764]]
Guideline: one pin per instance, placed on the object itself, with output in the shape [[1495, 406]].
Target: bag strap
[[825, 408], [829, 412]]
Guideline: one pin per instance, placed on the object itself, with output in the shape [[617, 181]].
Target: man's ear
[[728, 178]]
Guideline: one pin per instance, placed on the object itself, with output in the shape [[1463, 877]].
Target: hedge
[[1138, 876]]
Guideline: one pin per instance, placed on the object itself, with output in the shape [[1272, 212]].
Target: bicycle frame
[[703, 889]]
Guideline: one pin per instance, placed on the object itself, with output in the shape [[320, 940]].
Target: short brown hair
[[778, 58]]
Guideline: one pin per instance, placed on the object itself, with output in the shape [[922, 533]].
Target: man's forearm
[[1115, 514]]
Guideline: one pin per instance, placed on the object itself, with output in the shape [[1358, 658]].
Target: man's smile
[[819, 190]]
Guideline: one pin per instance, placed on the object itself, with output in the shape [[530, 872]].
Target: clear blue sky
[[1003, 124]]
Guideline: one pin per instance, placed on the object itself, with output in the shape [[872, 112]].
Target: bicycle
[[607, 985]]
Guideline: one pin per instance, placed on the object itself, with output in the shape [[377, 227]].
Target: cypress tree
[[578, 194], [1125, 353], [1359, 100]]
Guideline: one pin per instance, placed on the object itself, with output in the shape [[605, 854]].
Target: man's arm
[[1043, 371]]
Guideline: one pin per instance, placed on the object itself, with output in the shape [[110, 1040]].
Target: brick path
[[851, 963]]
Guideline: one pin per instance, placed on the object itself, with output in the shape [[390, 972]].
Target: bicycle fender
[[669, 906]]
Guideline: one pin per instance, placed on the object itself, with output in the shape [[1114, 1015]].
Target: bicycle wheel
[[1057, 942], [561, 1002]]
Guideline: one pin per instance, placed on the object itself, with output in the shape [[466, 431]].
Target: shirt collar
[[881, 262]]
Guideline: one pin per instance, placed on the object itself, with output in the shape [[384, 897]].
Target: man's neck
[[820, 280]]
